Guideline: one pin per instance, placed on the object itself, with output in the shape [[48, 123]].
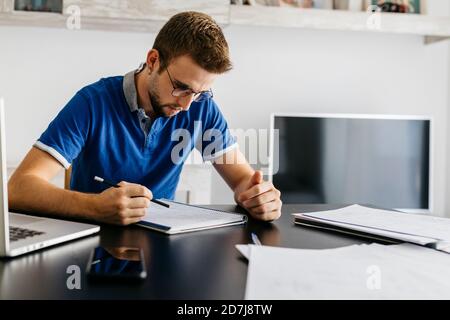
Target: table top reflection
[[196, 265]]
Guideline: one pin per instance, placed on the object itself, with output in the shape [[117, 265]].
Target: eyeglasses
[[197, 96]]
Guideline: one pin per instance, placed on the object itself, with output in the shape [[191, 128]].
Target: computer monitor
[[343, 159]]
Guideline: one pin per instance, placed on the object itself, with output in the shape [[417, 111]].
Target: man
[[122, 129]]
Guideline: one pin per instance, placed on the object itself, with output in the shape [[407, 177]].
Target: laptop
[[21, 233]]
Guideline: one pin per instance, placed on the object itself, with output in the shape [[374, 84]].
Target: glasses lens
[[197, 96], [181, 93]]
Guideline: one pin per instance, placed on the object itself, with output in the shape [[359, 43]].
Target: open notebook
[[186, 218]]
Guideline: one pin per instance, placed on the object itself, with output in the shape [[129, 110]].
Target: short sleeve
[[216, 136], [66, 135]]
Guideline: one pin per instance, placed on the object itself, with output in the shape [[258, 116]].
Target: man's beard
[[156, 105]]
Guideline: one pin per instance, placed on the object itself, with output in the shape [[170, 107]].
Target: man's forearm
[[32, 194]]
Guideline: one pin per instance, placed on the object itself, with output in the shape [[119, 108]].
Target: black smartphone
[[116, 263]]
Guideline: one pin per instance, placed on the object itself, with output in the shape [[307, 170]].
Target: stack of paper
[[419, 229], [357, 272]]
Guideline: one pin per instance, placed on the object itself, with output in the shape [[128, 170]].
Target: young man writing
[[122, 128]]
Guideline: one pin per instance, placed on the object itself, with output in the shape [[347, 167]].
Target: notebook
[[381, 224], [181, 218]]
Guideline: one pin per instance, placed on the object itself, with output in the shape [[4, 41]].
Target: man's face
[[185, 74]]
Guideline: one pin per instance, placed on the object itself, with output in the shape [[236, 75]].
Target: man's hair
[[197, 35]]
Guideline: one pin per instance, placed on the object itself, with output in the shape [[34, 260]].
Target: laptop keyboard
[[16, 233]]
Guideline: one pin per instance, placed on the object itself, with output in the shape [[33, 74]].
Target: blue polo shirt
[[103, 132]]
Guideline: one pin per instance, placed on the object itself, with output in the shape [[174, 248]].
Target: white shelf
[[123, 15], [56, 20], [437, 28], [94, 18]]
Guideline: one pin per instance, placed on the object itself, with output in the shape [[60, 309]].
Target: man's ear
[[152, 59]]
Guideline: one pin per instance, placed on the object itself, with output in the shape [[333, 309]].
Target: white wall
[[447, 213], [312, 71], [40, 69], [275, 69]]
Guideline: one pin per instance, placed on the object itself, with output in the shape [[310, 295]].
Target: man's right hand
[[124, 205]]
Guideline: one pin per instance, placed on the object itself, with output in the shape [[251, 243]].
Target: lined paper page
[[182, 217]]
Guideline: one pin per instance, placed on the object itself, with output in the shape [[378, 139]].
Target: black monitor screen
[[382, 162]]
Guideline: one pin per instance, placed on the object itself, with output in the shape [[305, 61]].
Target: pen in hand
[[109, 183]]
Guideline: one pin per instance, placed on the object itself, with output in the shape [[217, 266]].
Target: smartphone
[[116, 263]]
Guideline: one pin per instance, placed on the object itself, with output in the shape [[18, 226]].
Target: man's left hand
[[260, 198]]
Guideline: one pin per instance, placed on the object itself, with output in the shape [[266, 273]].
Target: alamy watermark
[[73, 281], [214, 144], [373, 22], [73, 21]]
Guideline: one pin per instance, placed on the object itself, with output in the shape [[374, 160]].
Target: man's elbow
[[15, 192], [12, 192]]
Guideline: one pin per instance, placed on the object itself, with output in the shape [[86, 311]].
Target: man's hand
[[124, 205], [260, 198]]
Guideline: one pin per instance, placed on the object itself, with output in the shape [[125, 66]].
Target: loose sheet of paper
[[244, 249], [373, 271]]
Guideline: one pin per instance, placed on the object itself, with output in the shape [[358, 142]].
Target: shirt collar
[[129, 88]]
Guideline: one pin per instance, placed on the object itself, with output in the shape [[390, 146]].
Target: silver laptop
[[21, 233]]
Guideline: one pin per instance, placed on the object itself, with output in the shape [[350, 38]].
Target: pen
[[255, 239], [109, 183]]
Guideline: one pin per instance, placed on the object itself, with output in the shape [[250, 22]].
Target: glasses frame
[[197, 96]]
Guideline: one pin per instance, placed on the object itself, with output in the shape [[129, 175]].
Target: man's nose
[[184, 102]]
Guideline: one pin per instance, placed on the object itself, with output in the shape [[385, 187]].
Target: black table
[[197, 265]]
